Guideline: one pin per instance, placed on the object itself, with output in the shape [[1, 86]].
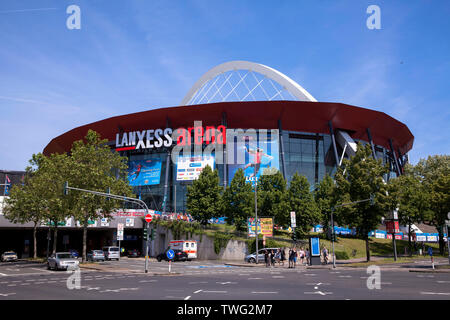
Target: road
[[212, 280]]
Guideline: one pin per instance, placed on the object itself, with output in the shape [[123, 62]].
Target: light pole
[[117, 197], [256, 216]]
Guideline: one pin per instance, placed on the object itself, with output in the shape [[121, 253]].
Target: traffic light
[[145, 233], [294, 236], [66, 188], [108, 191], [152, 234]]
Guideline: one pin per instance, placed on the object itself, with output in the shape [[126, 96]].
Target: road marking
[[277, 276], [345, 276], [227, 282], [310, 274], [48, 271], [215, 291], [198, 291], [254, 278], [197, 282], [3, 274], [12, 285], [7, 294], [271, 292], [144, 281], [437, 293], [319, 292], [187, 298], [443, 282], [25, 284]]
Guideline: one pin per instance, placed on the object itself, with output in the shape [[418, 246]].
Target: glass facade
[[308, 154]]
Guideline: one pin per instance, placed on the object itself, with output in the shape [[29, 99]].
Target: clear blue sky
[[132, 56]]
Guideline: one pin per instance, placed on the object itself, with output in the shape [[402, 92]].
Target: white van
[[111, 253], [188, 246]]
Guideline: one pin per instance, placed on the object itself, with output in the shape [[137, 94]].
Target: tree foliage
[[238, 201], [272, 197], [301, 201], [204, 196], [359, 178]]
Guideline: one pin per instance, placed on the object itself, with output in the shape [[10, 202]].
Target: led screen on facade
[[144, 172], [189, 168], [260, 152]]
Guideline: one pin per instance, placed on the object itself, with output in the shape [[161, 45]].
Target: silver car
[[9, 256], [96, 255], [251, 258], [62, 260]]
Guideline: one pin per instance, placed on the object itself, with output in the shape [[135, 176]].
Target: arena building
[[237, 114]]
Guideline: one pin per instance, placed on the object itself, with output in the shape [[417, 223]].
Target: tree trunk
[[84, 241], [367, 249], [55, 238], [34, 241]]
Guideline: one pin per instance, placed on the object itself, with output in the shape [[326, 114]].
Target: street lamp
[[256, 215]]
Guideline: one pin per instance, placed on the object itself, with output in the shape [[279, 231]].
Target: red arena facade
[[313, 139]]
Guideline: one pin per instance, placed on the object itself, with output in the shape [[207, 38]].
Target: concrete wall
[[235, 250]]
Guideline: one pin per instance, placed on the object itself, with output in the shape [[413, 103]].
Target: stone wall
[[235, 250]]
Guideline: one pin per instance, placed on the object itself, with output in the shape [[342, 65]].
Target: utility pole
[[256, 216]]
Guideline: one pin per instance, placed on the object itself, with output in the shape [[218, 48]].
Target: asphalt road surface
[[211, 280]]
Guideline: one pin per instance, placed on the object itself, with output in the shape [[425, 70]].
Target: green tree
[[359, 178], [204, 196], [93, 166], [301, 201], [25, 204], [272, 197], [434, 174], [238, 201], [407, 194], [324, 195]]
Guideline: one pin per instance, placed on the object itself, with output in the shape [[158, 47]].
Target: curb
[[430, 271]]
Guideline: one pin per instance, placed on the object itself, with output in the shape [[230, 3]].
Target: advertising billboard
[[253, 153], [265, 227], [189, 168], [144, 172]]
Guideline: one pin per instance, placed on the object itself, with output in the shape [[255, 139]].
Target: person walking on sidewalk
[[283, 256], [291, 257], [307, 256], [325, 255], [266, 258]]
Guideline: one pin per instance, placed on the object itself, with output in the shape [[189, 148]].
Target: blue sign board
[[315, 247], [144, 172], [170, 254]]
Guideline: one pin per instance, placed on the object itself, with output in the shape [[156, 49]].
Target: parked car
[[95, 255], [9, 256], [74, 253], [111, 253], [179, 256], [134, 253], [62, 260], [251, 258]]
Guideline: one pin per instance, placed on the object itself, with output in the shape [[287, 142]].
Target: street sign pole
[[146, 249], [332, 238], [256, 216]]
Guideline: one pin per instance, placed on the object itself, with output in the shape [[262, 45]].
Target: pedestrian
[[283, 256], [278, 256], [302, 255], [295, 255], [266, 258], [272, 258], [291, 257], [307, 256], [325, 255]]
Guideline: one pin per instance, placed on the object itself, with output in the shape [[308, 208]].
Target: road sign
[[170, 254], [293, 222], [120, 227], [119, 235], [148, 218]]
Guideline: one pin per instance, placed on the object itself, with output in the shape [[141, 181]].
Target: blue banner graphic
[[144, 172]]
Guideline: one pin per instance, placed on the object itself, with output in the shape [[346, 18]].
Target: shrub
[[342, 255]]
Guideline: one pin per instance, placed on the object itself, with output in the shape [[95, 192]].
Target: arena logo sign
[[157, 138]]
